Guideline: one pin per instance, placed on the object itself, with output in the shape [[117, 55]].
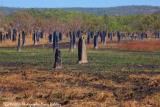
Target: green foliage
[[69, 20]]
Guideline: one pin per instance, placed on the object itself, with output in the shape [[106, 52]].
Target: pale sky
[[75, 3]]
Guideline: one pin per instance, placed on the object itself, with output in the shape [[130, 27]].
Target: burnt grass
[[111, 78], [69, 88]]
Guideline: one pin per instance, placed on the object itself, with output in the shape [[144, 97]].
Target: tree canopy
[[49, 20]]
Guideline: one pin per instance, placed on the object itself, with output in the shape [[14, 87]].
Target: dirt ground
[[78, 89]]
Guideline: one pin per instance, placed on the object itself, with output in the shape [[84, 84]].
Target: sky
[[74, 3]]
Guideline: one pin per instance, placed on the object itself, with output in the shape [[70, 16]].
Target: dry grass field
[[150, 45], [122, 75], [79, 89]]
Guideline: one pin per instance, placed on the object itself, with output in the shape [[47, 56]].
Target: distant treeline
[[49, 20], [110, 11]]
